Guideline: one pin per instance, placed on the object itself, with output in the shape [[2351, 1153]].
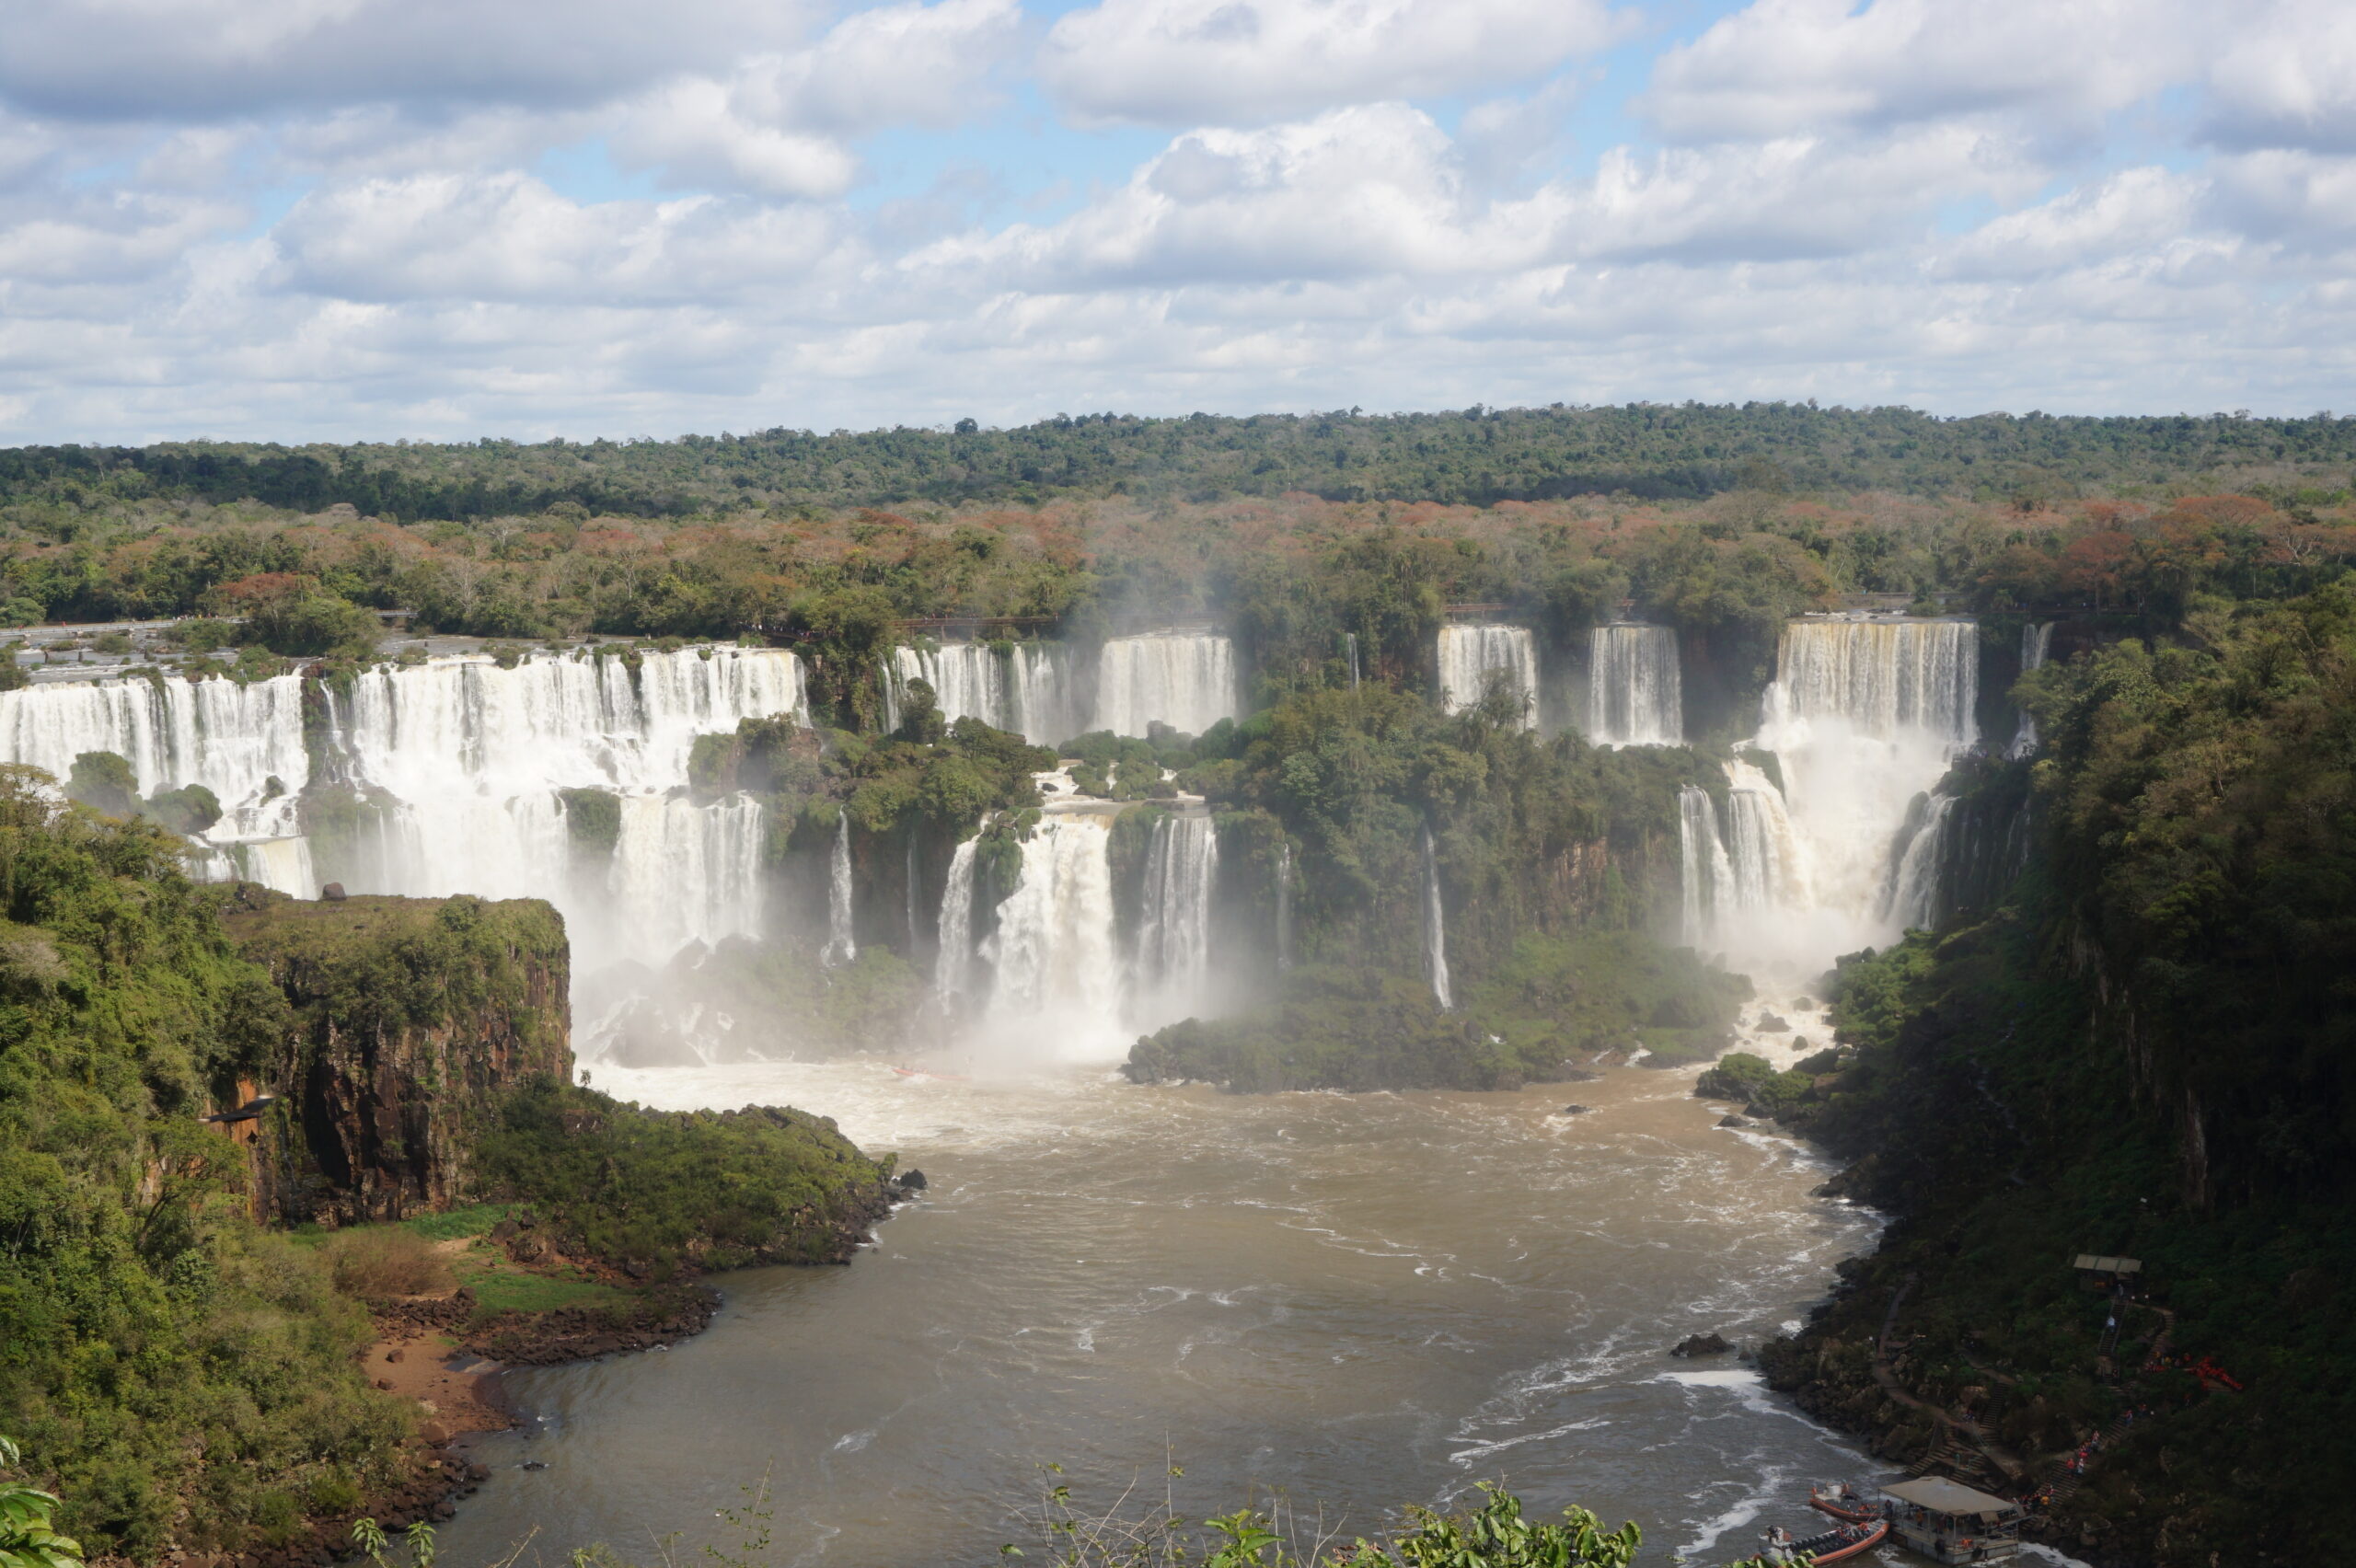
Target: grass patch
[[476, 1220], [511, 1290]]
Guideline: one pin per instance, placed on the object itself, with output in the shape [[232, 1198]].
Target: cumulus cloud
[[145, 59], [2287, 78], [350, 218], [1781, 67], [1246, 62]]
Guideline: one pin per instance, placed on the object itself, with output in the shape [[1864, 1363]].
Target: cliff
[[411, 1019]]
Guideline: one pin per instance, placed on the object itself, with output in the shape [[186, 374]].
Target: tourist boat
[[1836, 1545], [1844, 1503], [1948, 1522]]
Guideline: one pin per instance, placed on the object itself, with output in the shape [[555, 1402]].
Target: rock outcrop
[[411, 1018]]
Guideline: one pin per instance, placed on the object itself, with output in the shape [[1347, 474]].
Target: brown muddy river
[[1360, 1300]]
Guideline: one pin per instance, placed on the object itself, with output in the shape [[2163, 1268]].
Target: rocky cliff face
[[411, 1018]]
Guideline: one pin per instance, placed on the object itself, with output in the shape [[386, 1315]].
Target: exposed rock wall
[[412, 1018]]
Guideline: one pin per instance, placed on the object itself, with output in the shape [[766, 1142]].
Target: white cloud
[[2138, 212], [148, 60], [508, 237], [1785, 67], [1246, 62], [2287, 78]]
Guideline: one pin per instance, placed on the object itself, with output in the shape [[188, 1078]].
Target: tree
[[28, 1539]]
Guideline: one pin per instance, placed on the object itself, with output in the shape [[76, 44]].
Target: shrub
[[383, 1261]]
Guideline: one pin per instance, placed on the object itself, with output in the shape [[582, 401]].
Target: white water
[[842, 944], [1171, 970], [1471, 657], [1911, 897], [2037, 640], [1635, 693], [1350, 642], [468, 757], [1057, 991], [1028, 690], [1434, 929], [953, 959], [1283, 908], [232, 739], [1862, 718], [1186, 680]]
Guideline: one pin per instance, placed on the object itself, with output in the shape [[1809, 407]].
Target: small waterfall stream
[[1283, 908], [2036, 639], [953, 958], [1028, 689], [1634, 691], [1171, 970], [1434, 929], [1471, 657], [842, 941]]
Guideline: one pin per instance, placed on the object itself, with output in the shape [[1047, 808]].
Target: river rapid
[[1360, 1301]]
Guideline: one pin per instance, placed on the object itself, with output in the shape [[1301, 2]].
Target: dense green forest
[[1477, 457]]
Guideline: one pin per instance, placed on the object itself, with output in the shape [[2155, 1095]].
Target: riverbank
[[1362, 1299]]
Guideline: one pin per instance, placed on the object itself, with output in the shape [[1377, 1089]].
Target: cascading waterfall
[[1171, 969], [1186, 680], [953, 959], [1634, 692], [2036, 639], [1350, 642], [1707, 876], [910, 889], [1283, 908], [1435, 927], [243, 741], [1864, 717], [1471, 657], [1058, 974], [466, 759], [1911, 898], [842, 943], [1028, 689]]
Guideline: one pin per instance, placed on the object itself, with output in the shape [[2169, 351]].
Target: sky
[[296, 220]]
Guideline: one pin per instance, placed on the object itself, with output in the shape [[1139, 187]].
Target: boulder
[[912, 1180], [333, 892], [1734, 1122], [1702, 1344], [1574, 1110]]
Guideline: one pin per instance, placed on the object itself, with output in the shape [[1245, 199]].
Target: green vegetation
[[28, 1538], [1478, 455], [651, 1193], [158, 1349], [1555, 1003]]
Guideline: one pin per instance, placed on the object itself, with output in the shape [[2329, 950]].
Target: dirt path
[[413, 1362]]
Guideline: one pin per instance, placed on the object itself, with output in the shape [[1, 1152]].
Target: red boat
[[1844, 1503]]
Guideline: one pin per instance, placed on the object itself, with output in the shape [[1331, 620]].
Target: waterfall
[[1057, 972], [1741, 865], [465, 759], [234, 739], [1185, 680], [1635, 695], [1028, 690], [1284, 907], [1171, 969], [1471, 656], [2035, 641], [1911, 897], [908, 888], [1435, 927], [954, 956], [1350, 644], [1864, 717], [842, 944], [1705, 874]]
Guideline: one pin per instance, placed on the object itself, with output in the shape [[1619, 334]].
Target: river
[[1361, 1300]]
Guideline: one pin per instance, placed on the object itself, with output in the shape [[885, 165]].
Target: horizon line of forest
[[1475, 457]]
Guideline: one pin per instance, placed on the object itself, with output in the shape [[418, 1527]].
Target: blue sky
[[370, 219]]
